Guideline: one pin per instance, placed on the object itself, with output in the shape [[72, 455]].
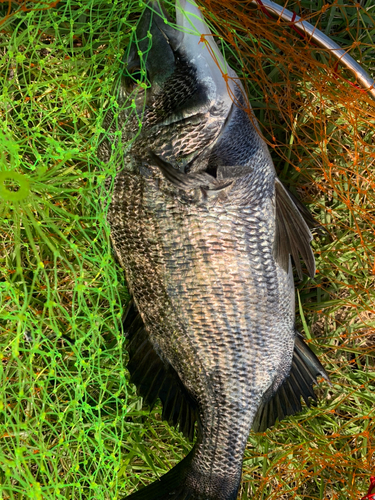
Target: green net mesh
[[71, 426]]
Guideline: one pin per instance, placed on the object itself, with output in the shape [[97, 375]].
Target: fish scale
[[203, 281], [205, 233]]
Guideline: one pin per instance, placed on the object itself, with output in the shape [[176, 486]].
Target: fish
[[206, 234]]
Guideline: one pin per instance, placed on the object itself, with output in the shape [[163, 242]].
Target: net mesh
[[71, 426]]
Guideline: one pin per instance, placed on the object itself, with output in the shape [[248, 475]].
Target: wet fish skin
[[195, 225]]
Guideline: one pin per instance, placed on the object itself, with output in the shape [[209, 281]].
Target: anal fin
[[286, 401], [156, 378]]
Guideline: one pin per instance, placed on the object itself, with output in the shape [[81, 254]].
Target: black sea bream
[[205, 232]]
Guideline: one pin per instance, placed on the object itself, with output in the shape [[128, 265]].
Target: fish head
[[187, 89]]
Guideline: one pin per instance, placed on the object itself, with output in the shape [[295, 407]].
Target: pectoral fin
[[293, 235]]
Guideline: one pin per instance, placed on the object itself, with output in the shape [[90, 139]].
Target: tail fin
[[171, 486]]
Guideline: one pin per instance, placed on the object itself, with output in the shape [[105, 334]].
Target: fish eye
[[133, 77], [136, 74]]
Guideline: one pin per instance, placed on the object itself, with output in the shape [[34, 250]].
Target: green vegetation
[[71, 426]]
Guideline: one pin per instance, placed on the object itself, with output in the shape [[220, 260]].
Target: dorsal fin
[[156, 378], [286, 401], [293, 235]]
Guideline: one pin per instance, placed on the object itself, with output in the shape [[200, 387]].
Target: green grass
[[71, 426]]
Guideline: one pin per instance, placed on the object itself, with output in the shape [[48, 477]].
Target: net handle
[[308, 30]]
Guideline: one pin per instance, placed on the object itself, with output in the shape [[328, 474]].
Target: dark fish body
[[204, 231]]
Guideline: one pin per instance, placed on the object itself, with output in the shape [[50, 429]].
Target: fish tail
[[183, 482], [170, 486]]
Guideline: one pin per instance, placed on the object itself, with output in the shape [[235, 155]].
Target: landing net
[[71, 425]]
